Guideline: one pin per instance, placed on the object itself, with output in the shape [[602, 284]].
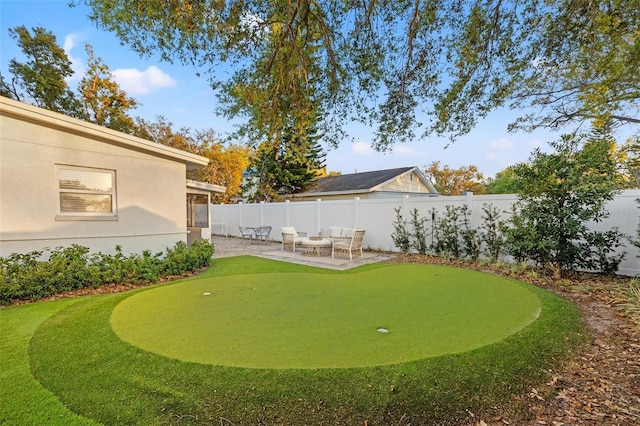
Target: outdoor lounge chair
[[350, 244], [290, 237], [262, 233]]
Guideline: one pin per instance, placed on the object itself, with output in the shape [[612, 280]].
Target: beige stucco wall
[[150, 190]]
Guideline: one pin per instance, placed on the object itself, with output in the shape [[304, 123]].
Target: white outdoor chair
[[350, 244], [290, 237]]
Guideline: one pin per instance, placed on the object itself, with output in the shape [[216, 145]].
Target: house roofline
[[203, 186], [20, 110]]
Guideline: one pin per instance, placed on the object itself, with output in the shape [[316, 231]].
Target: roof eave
[[205, 187], [10, 107]]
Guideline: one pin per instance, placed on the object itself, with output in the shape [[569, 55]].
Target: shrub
[[183, 259], [471, 241], [492, 236], [26, 276], [419, 242], [558, 194], [146, 267], [447, 237], [400, 233]]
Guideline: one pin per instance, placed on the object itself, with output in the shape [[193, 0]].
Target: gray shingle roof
[[356, 181]]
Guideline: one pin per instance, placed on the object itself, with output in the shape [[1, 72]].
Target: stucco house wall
[[150, 181]]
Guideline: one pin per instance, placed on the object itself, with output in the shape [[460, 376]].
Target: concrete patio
[[230, 246]]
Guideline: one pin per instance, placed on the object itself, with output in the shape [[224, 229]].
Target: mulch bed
[[600, 386]]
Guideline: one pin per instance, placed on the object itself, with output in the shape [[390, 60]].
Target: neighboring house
[[377, 184], [64, 181]]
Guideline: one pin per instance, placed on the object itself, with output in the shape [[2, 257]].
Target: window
[[86, 193]]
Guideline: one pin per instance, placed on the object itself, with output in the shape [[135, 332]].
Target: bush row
[[26, 276], [451, 236]]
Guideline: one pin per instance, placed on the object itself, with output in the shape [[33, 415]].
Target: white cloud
[[502, 143], [136, 82], [70, 42], [362, 148], [404, 151]]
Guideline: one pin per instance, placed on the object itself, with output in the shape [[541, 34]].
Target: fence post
[[356, 204], [318, 216], [469, 200], [287, 212], [261, 213]]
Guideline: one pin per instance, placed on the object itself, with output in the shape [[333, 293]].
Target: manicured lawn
[[76, 356]]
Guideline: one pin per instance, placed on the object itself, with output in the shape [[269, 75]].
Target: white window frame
[[61, 215]]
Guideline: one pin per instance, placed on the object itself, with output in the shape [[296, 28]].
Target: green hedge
[[25, 276]]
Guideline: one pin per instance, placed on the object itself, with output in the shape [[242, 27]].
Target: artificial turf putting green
[[308, 320]]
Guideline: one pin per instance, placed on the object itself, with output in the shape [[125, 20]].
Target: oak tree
[[103, 102], [408, 68], [41, 78]]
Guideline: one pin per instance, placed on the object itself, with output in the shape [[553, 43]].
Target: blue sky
[[175, 92]]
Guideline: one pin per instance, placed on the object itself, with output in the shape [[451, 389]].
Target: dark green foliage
[[419, 242], [400, 233], [559, 194], [599, 248], [182, 259], [286, 164], [403, 68], [41, 79], [471, 240], [447, 241], [27, 276], [452, 235], [492, 235]]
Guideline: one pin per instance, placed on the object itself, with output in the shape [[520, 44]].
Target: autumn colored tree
[[162, 131], [629, 168], [406, 68], [226, 164], [41, 78], [104, 103], [450, 181]]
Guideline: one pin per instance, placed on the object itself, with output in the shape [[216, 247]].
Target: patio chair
[[290, 237], [350, 244], [262, 233], [247, 233]]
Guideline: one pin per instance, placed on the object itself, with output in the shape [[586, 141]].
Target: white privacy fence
[[377, 217]]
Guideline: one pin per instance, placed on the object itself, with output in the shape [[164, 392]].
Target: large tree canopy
[[410, 68], [41, 79]]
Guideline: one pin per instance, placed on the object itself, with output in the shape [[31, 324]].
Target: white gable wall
[[150, 192], [407, 183]]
